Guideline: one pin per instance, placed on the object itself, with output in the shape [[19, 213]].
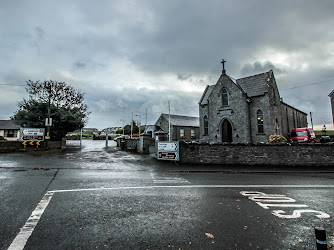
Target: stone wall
[[255, 155], [17, 146], [144, 143]]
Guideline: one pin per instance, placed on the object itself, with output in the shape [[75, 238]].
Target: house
[[10, 130], [110, 130], [183, 128], [151, 130], [246, 110], [331, 96], [90, 130]]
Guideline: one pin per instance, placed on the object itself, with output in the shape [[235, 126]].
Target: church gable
[[224, 92]]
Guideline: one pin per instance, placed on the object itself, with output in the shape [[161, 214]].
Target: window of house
[[10, 133], [260, 129], [206, 125], [225, 97], [181, 133], [192, 133]]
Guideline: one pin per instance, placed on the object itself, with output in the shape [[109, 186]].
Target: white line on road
[[197, 186], [21, 239]]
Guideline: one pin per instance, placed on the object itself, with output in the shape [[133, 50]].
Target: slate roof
[[330, 95], [206, 94], [184, 121], [255, 85], [8, 124]]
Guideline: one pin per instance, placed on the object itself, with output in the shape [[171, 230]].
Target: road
[[104, 198]]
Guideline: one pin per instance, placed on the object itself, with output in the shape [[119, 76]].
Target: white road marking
[[298, 213], [260, 196], [197, 186], [266, 206], [21, 239]]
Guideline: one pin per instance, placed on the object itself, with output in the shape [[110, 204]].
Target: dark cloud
[[257, 67], [107, 48], [79, 65]]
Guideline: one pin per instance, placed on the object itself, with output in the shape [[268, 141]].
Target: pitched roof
[[331, 94], [9, 124], [179, 120], [255, 85], [206, 94], [293, 107]]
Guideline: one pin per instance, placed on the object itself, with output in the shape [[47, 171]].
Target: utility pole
[[131, 124], [169, 121], [80, 137], [146, 121], [123, 125], [138, 123], [107, 138], [311, 120], [48, 123]]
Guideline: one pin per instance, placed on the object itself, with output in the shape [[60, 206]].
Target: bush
[[277, 138]]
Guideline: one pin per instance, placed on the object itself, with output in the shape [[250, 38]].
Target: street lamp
[[139, 121], [123, 125]]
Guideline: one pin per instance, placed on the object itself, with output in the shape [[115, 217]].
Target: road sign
[[31, 134], [168, 150], [168, 156], [168, 146]]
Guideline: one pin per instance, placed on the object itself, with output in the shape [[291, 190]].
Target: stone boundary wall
[[312, 154], [17, 146]]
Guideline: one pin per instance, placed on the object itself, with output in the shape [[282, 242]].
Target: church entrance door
[[226, 131]]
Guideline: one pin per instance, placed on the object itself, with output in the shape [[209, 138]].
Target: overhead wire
[[315, 83]]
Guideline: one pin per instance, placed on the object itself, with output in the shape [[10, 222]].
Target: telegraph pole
[[48, 122], [131, 124], [169, 121], [311, 119]]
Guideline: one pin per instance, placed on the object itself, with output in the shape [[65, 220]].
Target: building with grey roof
[[183, 128], [244, 110], [9, 130]]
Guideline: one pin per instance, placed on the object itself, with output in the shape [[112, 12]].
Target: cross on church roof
[[223, 62]]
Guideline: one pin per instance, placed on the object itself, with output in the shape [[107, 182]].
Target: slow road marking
[[25, 232]]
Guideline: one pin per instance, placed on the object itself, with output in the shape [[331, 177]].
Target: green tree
[[61, 102]]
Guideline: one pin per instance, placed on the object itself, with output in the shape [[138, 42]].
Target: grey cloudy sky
[[129, 56]]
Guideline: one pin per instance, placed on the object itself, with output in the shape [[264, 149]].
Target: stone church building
[[246, 110]]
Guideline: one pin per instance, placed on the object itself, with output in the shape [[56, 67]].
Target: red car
[[302, 135]]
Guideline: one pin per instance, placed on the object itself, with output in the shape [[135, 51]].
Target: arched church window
[[260, 129], [225, 97], [206, 125]]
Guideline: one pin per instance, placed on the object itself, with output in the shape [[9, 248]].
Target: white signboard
[[168, 151], [168, 146], [31, 134]]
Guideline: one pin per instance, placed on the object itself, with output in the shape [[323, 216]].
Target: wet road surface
[[98, 197]]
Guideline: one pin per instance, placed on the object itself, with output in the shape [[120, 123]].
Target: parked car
[[302, 135], [325, 138], [121, 137]]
